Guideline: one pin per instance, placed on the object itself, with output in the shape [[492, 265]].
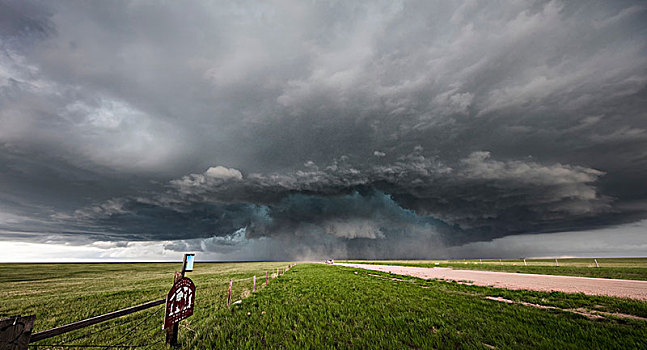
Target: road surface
[[544, 283]]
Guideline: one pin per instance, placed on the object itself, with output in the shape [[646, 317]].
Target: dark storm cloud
[[338, 127], [368, 209]]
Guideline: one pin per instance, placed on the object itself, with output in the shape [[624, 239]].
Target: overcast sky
[[309, 129]]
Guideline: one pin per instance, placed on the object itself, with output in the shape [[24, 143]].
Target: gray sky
[[292, 129]]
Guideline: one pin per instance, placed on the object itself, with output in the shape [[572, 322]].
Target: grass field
[[314, 306], [624, 268], [62, 293]]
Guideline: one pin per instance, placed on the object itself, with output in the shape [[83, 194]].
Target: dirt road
[[544, 283]]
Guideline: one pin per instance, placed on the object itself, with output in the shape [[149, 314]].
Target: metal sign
[[187, 265], [179, 302]]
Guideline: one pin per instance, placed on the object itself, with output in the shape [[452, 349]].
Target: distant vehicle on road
[[330, 261]]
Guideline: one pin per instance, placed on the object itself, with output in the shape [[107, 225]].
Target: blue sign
[[188, 262]]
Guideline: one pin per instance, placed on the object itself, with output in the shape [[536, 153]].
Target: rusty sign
[[179, 302]]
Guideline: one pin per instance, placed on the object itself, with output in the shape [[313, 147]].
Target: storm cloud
[[292, 129]]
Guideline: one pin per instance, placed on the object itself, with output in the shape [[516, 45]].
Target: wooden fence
[[16, 332]]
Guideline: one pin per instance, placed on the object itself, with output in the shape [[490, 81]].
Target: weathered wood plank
[[94, 320]]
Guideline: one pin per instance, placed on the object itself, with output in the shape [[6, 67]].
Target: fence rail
[[93, 320]]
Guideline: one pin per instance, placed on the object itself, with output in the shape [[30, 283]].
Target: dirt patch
[[592, 314], [614, 314], [401, 280], [543, 283]]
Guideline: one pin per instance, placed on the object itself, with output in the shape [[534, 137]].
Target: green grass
[[62, 293], [331, 307], [623, 268], [313, 307]]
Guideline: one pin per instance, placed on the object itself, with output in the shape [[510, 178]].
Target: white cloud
[[221, 172], [98, 251], [620, 241], [233, 247], [480, 166]]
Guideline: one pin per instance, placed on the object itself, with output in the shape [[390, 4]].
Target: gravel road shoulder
[[545, 283]]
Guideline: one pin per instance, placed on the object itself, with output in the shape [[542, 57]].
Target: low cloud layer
[[362, 209], [364, 129]]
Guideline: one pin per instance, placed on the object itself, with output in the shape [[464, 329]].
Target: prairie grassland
[[624, 268], [62, 293], [313, 306], [334, 307]]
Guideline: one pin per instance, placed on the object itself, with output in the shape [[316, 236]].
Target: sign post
[[179, 300], [231, 282]]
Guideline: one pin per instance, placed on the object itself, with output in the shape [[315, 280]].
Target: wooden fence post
[[524, 262], [266, 278], [596, 263], [254, 285], [15, 332], [556, 263], [231, 282], [171, 332]]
